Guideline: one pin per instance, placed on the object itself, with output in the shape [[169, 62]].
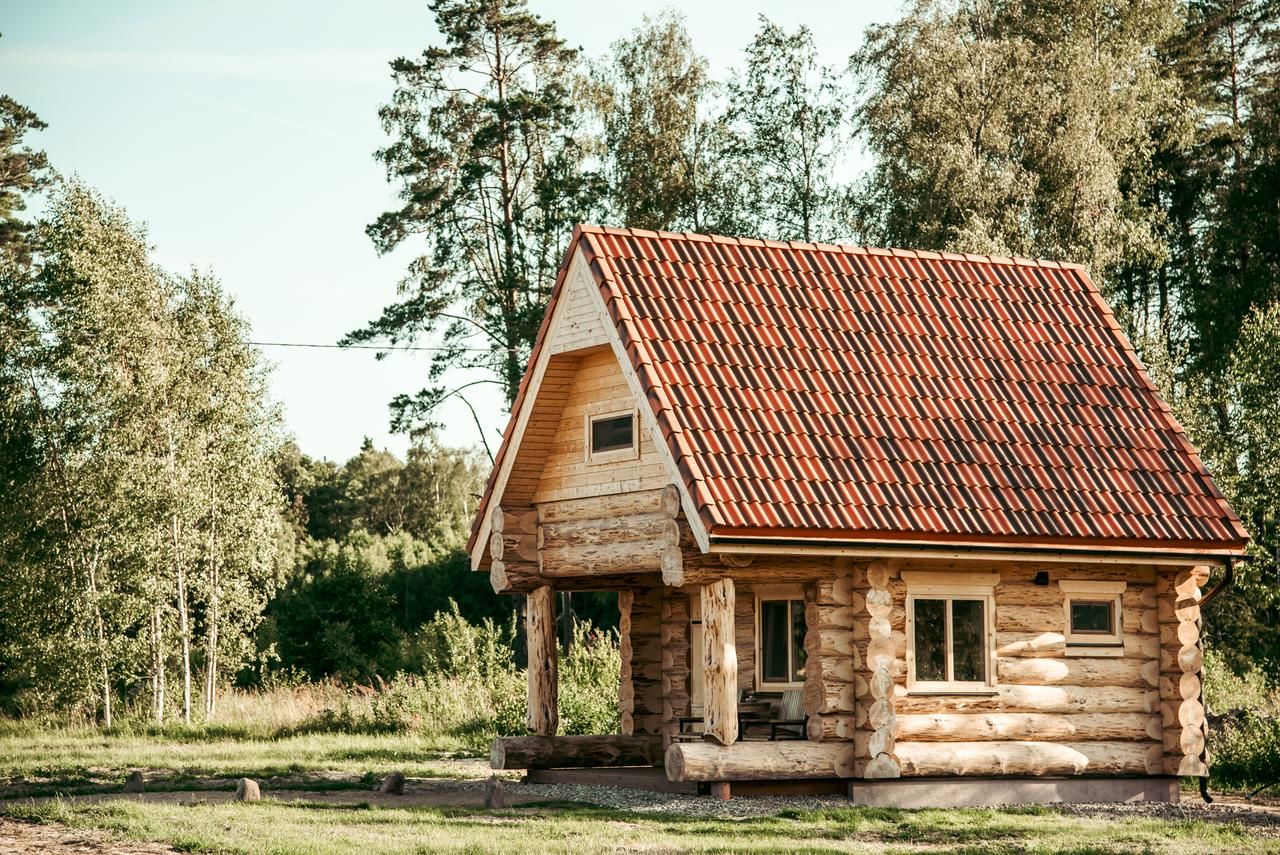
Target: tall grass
[[1244, 719]]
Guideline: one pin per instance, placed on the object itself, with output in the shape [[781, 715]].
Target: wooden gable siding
[[541, 430], [578, 325], [597, 386]]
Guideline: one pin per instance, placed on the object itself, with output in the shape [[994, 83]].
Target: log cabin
[[934, 496]]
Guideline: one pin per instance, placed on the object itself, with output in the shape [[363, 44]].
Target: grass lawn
[[75, 760], [41, 763], [299, 827]]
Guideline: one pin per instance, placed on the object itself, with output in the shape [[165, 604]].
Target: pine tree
[[490, 179]]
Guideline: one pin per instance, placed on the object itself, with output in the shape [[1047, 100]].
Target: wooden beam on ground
[[758, 761], [575, 752]]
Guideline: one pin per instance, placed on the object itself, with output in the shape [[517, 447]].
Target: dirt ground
[[26, 838]]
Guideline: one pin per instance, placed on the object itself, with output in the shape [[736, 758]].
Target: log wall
[[1182, 716], [1053, 710], [640, 690]]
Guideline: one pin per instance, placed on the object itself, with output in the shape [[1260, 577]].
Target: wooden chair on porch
[[788, 725]]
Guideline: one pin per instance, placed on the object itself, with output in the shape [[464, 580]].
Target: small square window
[[611, 436], [1093, 617]]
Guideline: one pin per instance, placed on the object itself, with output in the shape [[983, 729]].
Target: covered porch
[[720, 682]]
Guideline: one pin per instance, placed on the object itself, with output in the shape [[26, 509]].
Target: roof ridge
[[831, 248]]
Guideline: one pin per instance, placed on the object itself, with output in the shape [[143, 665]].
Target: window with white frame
[[950, 631], [1093, 618], [611, 436], [780, 629]]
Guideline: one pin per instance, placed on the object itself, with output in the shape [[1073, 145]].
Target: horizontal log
[[508, 577], [702, 568], [982, 727], [664, 501], [574, 751], [521, 577], [835, 591], [758, 761], [520, 547], [1043, 618], [1036, 699], [599, 559], [597, 531], [1054, 644], [1029, 758], [1080, 671]]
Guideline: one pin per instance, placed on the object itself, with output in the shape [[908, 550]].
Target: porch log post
[[720, 662], [540, 610]]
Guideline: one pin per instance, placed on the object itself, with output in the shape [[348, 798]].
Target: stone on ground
[[247, 790], [134, 783], [495, 795], [393, 784]]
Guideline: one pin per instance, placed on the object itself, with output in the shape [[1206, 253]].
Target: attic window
[[612, 436]]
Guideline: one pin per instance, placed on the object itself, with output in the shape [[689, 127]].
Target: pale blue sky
[[242, 134]]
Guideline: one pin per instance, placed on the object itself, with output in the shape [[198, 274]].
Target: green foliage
[[369, 606], [489, 173], [1014, 129], [1244, 718], [787, 121], [470, 689], [24, 171], [143, 525], [588, 699], [664, 147]]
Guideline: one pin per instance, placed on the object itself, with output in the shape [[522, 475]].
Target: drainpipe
[[1228, 577]]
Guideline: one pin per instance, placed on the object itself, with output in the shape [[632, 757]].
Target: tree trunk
[[103, 658], [184, 628], [211, 620]]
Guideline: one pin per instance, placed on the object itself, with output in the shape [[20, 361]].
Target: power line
[[368, 347]]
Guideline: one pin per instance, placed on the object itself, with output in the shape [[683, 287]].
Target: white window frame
[[616, 454], [927, 585], [773, 593], [1094, 643]]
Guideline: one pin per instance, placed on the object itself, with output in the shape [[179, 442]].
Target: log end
[[673, 762], [497, 755]]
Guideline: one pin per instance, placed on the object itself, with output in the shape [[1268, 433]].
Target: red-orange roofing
[[848, 393]]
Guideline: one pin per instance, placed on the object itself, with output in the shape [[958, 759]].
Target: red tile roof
[[848, 393]]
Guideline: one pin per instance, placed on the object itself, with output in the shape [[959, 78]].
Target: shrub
[[589, 683], [1244, 718], [471, 691]]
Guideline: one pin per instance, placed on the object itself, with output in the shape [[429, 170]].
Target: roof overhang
[[975, 551]]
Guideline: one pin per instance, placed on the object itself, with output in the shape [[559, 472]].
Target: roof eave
[[862, 547]]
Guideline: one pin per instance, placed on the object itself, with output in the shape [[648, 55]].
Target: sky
[[242, 132]]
